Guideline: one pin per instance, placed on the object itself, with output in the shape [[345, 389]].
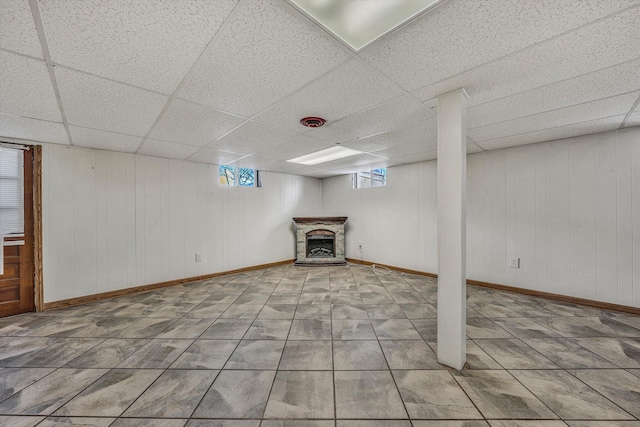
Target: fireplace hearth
[[320, 241]]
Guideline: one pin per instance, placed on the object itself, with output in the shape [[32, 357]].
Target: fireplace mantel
[[320, 240]]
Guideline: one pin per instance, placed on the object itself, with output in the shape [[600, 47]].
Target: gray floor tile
[[395, 329], [256, 354], [434, 395], [46, 395], [306, 356], [15, 421], [111, 394], [186, 328], [236, 394], [148, 422], [298, 336], [175, 394], [52, 352], [497, 394], [410, 354], [108, 353], [367, 394], [515, 354], [301, 394], [77, 421], [156, 354], [348, 311], [148, 327], [569, 397], [352, 330], [227, 329], [358, 356], [525, 328], [277, 312], [568, 354], [310, 329], [269, 330], [624, 352], [619, 386], [206, 354], [313, 311], [485, 328], [12, 380]]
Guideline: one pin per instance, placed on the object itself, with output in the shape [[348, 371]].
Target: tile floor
[[317, 347]]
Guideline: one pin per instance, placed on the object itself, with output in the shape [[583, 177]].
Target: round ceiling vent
[[312, 122]]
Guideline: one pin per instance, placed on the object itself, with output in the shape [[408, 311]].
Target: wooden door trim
[[37, 228]]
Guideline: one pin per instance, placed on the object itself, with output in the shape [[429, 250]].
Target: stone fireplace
[[320, 240]]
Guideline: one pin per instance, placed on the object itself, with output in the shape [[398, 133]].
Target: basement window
[[239, 177], [370, 178]]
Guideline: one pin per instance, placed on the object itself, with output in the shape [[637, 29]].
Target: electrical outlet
[[515, 263], [198, 257]]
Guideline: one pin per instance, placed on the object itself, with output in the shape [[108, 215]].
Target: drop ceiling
[[226, 81]]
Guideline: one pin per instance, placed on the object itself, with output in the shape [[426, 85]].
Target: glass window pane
[[227, 175], [246, 177], [379, 177]]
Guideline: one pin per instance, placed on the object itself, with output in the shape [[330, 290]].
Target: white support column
[[452, 274]]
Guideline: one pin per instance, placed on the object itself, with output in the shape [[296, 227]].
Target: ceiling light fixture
[[360, 23], [326, 155]]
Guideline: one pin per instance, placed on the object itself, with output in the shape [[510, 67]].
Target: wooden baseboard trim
[[540, 294], [138, 289], [391, 267], [557, 297]]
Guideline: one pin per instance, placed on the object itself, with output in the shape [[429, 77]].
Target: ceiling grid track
[[206, 50], [631, 111], [47, 59]]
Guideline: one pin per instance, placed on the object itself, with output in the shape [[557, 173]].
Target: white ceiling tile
[[396, 113], [402, 150], [213, 157], [633, 120], [573, 54], [94, 102], [613, 81], [25, 88], [268, 51], [472, 147], [578, 113], [169, 150], [422, 134], [151, 44], [454, 37], [250, 138], [350, 88], [253, 162], [188, 123], [32, 129], [418, 157], [286, 167], [568, 131], [101, 140], [17, 28], [297, 146]]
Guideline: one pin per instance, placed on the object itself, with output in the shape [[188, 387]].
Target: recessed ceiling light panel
[[322, 156], [359, 23]]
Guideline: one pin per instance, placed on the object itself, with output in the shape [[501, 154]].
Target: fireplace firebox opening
[[320, 244]]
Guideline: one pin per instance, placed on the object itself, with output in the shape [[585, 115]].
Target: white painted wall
[[115, 220], [569, 209]]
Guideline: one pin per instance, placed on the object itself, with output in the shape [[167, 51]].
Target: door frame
[[38, 280], [36, 190]]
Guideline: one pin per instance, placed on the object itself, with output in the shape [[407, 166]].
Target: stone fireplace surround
[[314, 226]]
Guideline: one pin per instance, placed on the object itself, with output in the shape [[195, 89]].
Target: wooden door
[[17, 282]]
